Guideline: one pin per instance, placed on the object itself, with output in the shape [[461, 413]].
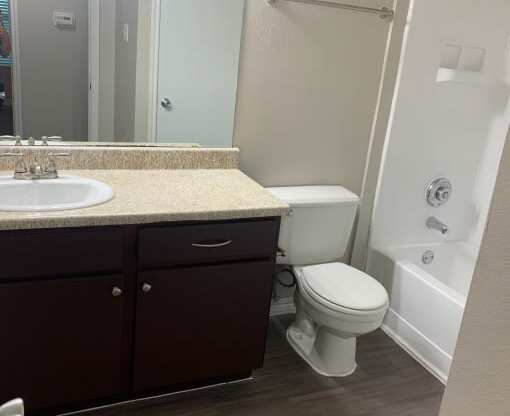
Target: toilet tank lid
[[315, 195]]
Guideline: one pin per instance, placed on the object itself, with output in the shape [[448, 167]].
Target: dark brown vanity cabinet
[[63, 315], [61, 340], [95, 315], [203, 297], [200, 323]]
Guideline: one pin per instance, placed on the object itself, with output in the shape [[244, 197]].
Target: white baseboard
[[423, 350], [284, 306]]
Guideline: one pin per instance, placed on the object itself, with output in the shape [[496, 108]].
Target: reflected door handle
[[166, 103]]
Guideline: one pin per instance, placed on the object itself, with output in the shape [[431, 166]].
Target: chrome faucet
[[35, 170], [435, 224]]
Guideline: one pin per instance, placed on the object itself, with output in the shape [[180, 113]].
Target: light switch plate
[[64, 20]]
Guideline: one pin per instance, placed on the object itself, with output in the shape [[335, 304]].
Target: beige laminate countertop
[[151, 196]]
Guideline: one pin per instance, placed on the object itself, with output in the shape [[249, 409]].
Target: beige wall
[[479, 382], [54, 69], [308, 88]]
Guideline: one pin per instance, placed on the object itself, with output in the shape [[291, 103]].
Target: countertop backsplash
[[136, 158]]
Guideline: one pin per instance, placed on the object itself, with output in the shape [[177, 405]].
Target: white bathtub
[[426, 300]]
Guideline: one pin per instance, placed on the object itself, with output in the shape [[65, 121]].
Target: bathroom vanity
[[166, 287]]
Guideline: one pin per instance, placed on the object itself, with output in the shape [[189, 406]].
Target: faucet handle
[[51, 167], [21, 166]]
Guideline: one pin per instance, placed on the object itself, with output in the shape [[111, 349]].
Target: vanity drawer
[[163, 246], [60, 252]]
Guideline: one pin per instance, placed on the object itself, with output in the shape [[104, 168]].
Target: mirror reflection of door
[[199, 46]]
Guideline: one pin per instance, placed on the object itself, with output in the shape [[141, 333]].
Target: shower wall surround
[[450, 119], [445, 129]]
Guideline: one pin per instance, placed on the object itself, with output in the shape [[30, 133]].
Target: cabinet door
[[61, 340], [201, 323]]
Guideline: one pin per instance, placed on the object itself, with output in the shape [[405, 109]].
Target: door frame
[[94, 69], [17, 101], [154, 72]]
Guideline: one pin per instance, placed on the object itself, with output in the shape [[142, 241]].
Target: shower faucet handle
[[439, 192]]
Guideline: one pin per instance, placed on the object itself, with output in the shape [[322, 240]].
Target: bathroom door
[[199, 43]]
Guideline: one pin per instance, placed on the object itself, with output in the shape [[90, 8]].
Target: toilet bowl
[[335, 303]]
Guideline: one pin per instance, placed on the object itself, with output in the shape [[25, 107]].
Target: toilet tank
[[319, 226]]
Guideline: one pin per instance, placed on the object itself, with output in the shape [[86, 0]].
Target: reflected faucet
[[435, 224]]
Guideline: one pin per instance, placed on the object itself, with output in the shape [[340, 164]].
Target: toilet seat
[[342, 288]]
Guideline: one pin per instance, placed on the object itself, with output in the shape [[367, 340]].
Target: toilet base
[[326, 353]]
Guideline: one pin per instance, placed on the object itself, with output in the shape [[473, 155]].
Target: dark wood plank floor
[[388, 382]]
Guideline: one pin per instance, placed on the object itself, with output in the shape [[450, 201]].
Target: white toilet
[[335, 303]]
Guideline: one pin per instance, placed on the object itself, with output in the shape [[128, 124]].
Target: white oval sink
[[59, 194]]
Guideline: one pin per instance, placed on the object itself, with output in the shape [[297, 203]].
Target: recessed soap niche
[[461, 63]]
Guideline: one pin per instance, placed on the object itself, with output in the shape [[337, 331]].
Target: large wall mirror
[[137, 71]]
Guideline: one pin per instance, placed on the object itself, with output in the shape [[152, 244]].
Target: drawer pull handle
[[213, 245], [146, 287]]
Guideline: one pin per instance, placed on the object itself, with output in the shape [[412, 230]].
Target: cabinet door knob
[[146, 288], [116, 292]]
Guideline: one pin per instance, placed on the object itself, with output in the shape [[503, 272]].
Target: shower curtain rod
[[383, 12]]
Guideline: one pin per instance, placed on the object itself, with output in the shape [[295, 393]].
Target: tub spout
[[435, 224]]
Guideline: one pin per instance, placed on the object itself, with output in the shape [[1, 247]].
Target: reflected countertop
[[85, 143], [152, 196]]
